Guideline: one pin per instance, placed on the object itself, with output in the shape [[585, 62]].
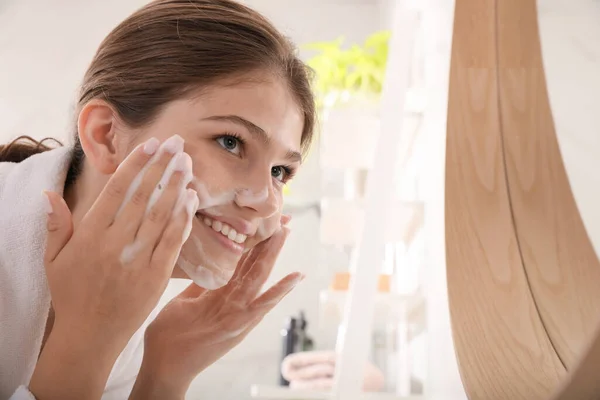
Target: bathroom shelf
[[266, 392]]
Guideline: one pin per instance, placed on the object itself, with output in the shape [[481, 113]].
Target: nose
[[259, 195]]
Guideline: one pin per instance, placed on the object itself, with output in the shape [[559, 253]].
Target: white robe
[[24, 293]]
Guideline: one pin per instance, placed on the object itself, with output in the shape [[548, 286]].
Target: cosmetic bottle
[[289, 336], [305, 342]]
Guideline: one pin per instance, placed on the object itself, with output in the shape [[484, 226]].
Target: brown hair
[[24, 147], [171, 48]]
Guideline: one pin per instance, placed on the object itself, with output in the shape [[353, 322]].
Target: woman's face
[[244, 141]]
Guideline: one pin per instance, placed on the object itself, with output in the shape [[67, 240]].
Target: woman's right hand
[[107, 275]]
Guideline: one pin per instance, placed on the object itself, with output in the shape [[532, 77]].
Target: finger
[[241, 267], [143, 193], [59, 225], [285, 219], [269, 299], [246, 262], [159, 215], [260, 265], [242, 322], [176, 233], [103, 211]]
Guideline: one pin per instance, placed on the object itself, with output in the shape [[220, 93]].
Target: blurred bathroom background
[[45, 47]]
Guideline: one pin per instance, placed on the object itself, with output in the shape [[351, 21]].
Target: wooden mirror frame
[[523, 277]]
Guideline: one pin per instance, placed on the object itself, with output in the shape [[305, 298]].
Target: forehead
[[267, 104]]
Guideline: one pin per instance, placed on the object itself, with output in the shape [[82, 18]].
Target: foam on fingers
[[173, 145]]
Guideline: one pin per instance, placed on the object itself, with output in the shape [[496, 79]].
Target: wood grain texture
[[502, 347], [583, 382], [561, 264]]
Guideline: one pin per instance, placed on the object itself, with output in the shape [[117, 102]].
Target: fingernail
[[298, 279], [183, 162], [286, 219], [151, 146], [295, 283], [191, 201], [47, 204], [173, 145]]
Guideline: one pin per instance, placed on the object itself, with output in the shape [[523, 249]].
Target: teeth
[[225, 230], [217, 226]]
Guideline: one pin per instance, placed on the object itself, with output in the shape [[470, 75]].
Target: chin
[[209, 257]]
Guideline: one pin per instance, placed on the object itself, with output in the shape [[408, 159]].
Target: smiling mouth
[[224, 229]]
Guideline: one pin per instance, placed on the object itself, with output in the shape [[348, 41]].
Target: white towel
[[315, 370], [24, 293]]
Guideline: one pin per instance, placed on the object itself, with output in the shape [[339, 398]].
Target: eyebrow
[[255, 131]]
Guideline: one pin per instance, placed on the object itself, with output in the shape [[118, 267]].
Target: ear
[[96, 126]]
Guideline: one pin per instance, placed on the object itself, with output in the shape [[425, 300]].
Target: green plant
[[359, 69]]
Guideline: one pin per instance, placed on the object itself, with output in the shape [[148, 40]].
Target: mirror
[[569, 33]]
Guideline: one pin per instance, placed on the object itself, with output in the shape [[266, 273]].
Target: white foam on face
[[207, 200], [268, 227], [207, 275], [209, 204], [246, 196]]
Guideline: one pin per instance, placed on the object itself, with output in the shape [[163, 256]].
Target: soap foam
[[130, 252], [207, 200], [166, 177], [209, 275], [201, 276], [209, 204], [246, 196], [136, 182]]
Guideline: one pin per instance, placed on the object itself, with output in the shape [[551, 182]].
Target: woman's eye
[[230, 144], [278, 173]]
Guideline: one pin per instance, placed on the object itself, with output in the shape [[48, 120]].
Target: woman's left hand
[[198, 327]]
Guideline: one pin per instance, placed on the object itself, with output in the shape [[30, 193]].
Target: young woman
[[191, 118]]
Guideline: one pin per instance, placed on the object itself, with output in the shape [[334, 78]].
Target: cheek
[[214, 180]]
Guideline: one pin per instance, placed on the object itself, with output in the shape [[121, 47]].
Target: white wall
[[570, 33], [45, 48]]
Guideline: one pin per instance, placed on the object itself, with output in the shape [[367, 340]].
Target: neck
[[81, 194]]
